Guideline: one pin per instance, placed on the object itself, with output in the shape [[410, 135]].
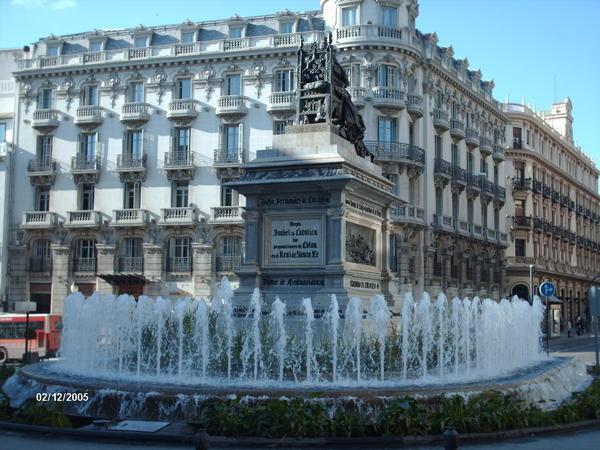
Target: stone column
[[17, 270], [60, 277], [153, 259], [203, 273], [106, 266]]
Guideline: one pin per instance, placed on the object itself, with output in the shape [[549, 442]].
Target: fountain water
[[196, 341]]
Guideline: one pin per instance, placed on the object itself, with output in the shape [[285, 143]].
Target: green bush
[[46, 414]]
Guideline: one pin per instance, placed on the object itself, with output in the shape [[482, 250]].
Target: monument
[[316, 206]]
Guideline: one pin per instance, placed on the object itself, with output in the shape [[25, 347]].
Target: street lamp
[[26, 307]]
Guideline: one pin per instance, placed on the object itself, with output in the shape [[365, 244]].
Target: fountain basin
[[551, 382]]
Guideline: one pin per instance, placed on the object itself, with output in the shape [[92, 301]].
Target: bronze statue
[[322, 93]]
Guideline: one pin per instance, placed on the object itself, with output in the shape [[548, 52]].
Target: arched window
[[521, 291]]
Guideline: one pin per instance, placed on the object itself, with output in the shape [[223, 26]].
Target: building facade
[[123, 140], [8, 64], [554, 207]]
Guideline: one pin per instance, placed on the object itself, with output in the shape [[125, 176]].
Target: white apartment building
[[123, 139], [8, 63], [554, 208]]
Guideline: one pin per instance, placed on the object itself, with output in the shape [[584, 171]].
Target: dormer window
[[140, 41], [52, 50], [187, 37], [390, 16], [286, 27], [95, 46], [349, 16], [236, 32]]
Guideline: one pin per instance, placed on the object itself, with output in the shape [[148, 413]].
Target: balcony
[[473, 184], [485, 146], [488, 188], [85, 169], [228, 263], [182, 111], [84, 265], [459, 178], [408, 214], [232, 45], [388, 100], [88, 116], [457, 130], [538, 225], [179, 265], [39, 265], [42, 171], [227, 215], [442, 222], [517, 144], [378, 33], [442, 172], [536, 186], [131, 168], [134, 114], [441, 122], [130, 218], [397, 152], [521, 184], [180, 165], [178, 216], [83, 219], [282, 102], [131, 264], [498, 153], [472, 138], [522, 222], [357, 94], [564, 200], [415, 106], [45, 120], [39, 220], [555, 196], [547, 191], [547, 227], [232, 107], [500, 193]]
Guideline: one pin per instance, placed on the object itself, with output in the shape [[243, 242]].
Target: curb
[[219, 441]]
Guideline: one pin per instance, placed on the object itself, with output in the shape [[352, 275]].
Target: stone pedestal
[[153, 259], [106, 266], [60, 277], [202, 270], [316, 221]]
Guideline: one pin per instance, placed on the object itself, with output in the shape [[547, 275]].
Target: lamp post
[[26, 307]]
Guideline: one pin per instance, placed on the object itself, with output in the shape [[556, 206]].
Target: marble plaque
[[291, 241]]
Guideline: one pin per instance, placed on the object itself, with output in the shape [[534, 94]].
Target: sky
[[542, 50]]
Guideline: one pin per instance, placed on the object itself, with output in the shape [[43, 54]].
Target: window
[[52, 50], [439, 147], [286, 27], [388, 129], [279, 126], [519, 247], [484, 221], [136, 92], [284, 80], [439, 99], [469, 162], [132, 248], [483, 167], [133, 149], [181, 141], [2, 132], [180, 194], [455, 206], [455, 155], [42, 198], [229, 197], [234, 84], [470, 210], [87, 197], [353, 74], [140, 41], [439, 201], [232, 137], [386, 76], [349, 16], [95, 46], [496, 219], [44, 149], [132, 195], [87, 147], [45, 98], [85, 255], [184, 88], [231, 246], [390, 16], [188, 37], [90, 95], [179, 255], [41, 249], [236, 32], [496, 175]]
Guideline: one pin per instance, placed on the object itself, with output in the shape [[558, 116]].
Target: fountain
[[159, 358]]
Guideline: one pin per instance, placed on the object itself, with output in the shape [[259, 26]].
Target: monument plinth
[[316, 220]]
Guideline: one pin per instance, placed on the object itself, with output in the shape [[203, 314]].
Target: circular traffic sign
[[547, 289]]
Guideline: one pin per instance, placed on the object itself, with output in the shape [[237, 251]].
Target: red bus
[[43, 339]]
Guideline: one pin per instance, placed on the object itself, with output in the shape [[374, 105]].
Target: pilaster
[[106, 266], [60, 277], [203, 273], [153, 258]]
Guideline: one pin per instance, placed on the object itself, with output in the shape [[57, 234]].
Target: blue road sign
[[547, 289]]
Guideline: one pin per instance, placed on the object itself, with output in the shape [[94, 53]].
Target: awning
[[121, 279]]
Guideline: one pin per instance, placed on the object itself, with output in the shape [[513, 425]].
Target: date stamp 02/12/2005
[[62, 397]]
